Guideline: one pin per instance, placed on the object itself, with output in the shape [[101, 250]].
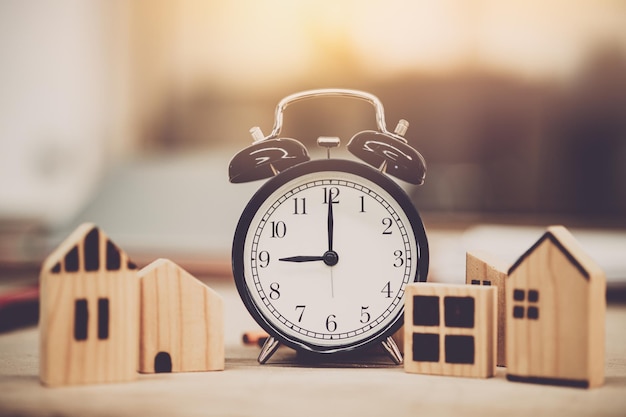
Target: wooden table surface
[[290, 385]]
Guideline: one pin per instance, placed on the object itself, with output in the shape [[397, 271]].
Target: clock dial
[[323, 253]]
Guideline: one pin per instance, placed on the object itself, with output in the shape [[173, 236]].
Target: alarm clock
[[323, 251]]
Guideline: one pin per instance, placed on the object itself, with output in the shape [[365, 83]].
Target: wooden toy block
[[484, 269], [450, 330], [88, 312], [556, 306], [181, 325]]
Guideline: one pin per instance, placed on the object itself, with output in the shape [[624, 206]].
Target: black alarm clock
[[324, 250]]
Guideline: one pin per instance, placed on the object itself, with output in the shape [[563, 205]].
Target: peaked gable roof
[[167, 266], [67, 257], [569, 246]]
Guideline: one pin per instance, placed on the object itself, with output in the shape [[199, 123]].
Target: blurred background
[[126, 113]]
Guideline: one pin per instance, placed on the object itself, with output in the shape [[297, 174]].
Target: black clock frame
[[325, 165]]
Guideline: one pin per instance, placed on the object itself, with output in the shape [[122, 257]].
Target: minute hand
[[331, 222], [302, 259]]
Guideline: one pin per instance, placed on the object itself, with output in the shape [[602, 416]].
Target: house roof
[[67, 253], [168, 265], [172, 271], [569, 246]]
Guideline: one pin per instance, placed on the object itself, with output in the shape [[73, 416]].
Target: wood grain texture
[[348, 388], [181, 317], [439, 313], [100, 345], [482, 268], [556, 314]]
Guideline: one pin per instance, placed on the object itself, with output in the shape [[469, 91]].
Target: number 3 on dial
[[323, 252]]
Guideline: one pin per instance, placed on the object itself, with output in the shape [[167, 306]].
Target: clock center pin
[[331, 258]]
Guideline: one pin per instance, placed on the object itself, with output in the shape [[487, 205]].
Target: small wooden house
[[484, 269], [556, 305], [450, 330], [88, 312], [181, 321]]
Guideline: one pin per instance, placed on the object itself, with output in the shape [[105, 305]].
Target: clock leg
[[268, 349], [392, 349]]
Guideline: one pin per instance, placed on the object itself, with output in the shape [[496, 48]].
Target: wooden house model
[[181, 321], [88, 312], [484, 269], [556, 304], [450, 330]]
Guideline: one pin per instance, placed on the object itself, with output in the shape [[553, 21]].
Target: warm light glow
[[248, 43]]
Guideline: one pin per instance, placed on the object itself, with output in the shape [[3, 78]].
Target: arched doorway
[[162, 362]]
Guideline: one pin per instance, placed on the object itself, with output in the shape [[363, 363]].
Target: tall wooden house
[[556, 305], [89, 307]]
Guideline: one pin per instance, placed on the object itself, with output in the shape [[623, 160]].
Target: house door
[[162, 362]]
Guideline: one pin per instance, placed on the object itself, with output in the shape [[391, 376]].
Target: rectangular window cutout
[[518, 295], [81, 319], [459, 349], [533, 296], [459, 312], [533, 313], [103, 318], [71, 260], [91, 252], [425, 347], [475, 282], [486, 282], [114, 260], [425, 310], [518, 312]]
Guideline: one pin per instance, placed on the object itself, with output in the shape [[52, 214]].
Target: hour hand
[[302, 259]]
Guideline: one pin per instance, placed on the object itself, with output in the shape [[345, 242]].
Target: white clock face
[[326, 258]]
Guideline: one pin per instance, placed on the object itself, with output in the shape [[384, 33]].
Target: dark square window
[[533, 313], [518, 312], [533, 296], [459, 311], [425, 310], [475, 282], [486, 282], [459, 349], [518, 295], [425, 347]]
